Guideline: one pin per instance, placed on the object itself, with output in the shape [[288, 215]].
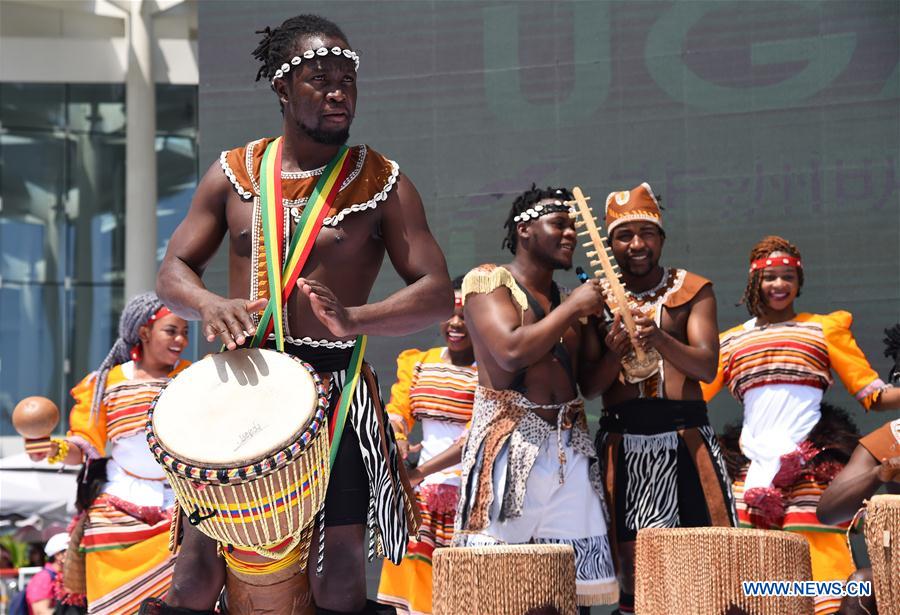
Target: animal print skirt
[[662, 467], [525, 480]]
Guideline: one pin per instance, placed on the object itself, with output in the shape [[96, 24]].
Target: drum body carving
[[882, 529], [243, 438]]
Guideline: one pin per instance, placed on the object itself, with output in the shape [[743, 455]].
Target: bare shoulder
[[704, 295], [404, 194], [214, 189], [199, 234], [702, 309]]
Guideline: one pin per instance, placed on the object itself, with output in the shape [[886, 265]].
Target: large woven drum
[[504, 580], [698, 571], [883, 543]]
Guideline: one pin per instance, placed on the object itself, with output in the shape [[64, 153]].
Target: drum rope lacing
[[279, 496], [250, 471]]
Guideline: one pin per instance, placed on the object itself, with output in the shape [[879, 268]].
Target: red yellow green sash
[[316, 210], [283, 278], [336, 426]]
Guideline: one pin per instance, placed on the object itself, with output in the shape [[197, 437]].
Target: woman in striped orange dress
[[778, 365], [435, 387], [124, 529]]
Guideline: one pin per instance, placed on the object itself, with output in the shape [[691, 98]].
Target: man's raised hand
[[327, 308], [587, 299]]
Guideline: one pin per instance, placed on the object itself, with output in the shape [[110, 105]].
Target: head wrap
[[137, 313], [637, 204], [137, 351], [776, 261]]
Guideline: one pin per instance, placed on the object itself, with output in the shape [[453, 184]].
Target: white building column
[[140, 153]]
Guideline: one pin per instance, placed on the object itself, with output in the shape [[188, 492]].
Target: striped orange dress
[[779, 372], [126, 528], [439, 395]]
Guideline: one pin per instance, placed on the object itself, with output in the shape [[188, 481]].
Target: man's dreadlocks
[[764, 248], [525, 201], [278, 44]]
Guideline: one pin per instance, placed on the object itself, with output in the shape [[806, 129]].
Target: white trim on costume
[[308, 341], [371, 203], [226, 168]]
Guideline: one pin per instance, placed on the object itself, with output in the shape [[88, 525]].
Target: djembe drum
[[243, 439], [700, 570], [504, 580], [882, 530]]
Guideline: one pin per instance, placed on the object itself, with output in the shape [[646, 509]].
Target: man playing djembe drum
[[361, 207]]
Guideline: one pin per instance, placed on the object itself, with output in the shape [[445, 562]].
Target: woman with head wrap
[[123, 526], [778, 365]]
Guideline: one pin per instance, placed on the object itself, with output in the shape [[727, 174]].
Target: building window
[[62, 211]]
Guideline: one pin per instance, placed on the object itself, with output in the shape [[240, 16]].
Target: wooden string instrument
[[639, 364]]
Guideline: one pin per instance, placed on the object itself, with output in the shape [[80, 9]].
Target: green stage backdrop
[[749, 119]]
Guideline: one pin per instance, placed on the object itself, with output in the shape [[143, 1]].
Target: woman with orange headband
[[778, 365], [123, 531]]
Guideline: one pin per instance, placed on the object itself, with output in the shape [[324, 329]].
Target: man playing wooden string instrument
[[529, 470], [662, 466], [307, 196]]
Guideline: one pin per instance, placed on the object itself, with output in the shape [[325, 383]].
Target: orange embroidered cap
[[629, 205]]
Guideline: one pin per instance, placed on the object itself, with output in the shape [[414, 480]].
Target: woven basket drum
[[699, 570], [503, 579], [883, 543]]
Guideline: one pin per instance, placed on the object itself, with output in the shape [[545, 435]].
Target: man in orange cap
[[662, 466]]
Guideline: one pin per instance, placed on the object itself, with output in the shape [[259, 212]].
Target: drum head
[[235, 407]]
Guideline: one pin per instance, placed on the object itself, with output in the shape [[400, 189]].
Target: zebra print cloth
[[388, 522], [661, 485], [592, 559], [651, 491]]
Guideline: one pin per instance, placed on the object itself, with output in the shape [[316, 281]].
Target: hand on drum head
[[889, 470], [229, 320], [328, 308]]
